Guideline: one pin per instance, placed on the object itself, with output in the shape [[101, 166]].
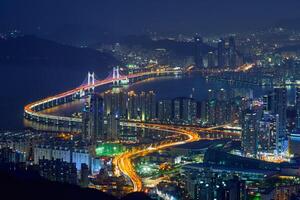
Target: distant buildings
[[232, 52], [198, 52], [227, 53], [221, 53]]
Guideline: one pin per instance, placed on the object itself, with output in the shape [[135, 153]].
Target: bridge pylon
[[116, 75], [91, 81]]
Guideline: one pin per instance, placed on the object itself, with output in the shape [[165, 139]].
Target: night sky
[[138, 16]]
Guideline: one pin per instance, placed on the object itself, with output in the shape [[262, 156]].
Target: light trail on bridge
[[30, 108]]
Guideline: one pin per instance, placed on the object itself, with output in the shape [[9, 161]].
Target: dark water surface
[[22, 85]]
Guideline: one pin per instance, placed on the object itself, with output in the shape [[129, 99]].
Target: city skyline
[[162, 100]]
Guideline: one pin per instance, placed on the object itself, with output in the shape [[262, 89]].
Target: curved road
[[124, 161]]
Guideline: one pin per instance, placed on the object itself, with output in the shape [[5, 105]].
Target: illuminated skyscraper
[[93, 119], [115, 103], [279, 108], [112, 127], [211, 111], [249, 133]]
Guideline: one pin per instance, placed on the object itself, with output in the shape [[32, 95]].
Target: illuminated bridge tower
[[116, 75], [117, 81], [91, 82]]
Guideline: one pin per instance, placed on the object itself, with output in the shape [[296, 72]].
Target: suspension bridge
[[33, 110]]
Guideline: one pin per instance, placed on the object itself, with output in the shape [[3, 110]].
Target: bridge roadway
[[124, 162], [31, 111]]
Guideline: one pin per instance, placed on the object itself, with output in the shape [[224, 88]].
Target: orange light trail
[[124, 161]]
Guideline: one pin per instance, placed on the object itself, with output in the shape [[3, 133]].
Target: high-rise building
[[189, 110], [164, 110], [211, 94], [211, 111], [279, 108], [198, 52], [267, 133], [115, 103], [208, 108], [112, 127], [250, 133], [211, 59], [184, 110], [177, 109], [221, 53], [133, 106], [93, 119], [267, 102], [148, 106], [232, 52], [203, 111], [221, 112]]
